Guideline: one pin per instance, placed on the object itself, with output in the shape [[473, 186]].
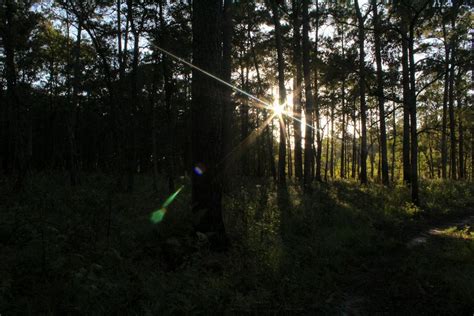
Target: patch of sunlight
[[454, 232]]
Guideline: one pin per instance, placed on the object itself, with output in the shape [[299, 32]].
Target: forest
[[295, 157]]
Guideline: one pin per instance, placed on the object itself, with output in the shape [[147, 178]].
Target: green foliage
[[340, 249]]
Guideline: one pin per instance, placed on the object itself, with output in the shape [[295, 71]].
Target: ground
[[342, 249]]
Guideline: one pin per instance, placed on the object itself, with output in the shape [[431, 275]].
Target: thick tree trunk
[[206, 129]]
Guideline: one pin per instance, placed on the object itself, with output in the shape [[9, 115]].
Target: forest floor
[[342, 249]]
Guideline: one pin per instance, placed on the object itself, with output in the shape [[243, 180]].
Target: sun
[[278, 109]]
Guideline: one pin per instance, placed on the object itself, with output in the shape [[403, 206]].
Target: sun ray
[[260, 103], [237, 151]]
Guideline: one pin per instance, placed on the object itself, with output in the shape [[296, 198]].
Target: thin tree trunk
[[380, 95], [332, 138], [413, 120], [308, 154], [406, 106], [227, 108], [354, 144], [363, 106], [319, 141], [281, 90], [452, 122], [168, 93], [444, 146], [461, 127], [394, 144], [297, 84]]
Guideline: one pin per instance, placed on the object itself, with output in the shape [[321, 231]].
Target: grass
[[340, 249]]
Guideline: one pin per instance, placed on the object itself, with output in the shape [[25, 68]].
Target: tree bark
[[380, 94], [317, 118], [452, 122], [444, 147], [413, 119], [168, 94], [363, 106], [227, 107], [308, 153], [206, 121], [297, 83], [406, 106], [281, 91]]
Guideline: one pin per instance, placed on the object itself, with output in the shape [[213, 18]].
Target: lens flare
[[158, 215], [198, 170]]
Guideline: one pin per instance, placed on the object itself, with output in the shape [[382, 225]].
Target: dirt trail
[[438, 230]]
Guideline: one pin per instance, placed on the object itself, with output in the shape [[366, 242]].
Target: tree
[[362, 83], [308, 152], [281, 91], [380, 93], [206, 129], [297, 84]]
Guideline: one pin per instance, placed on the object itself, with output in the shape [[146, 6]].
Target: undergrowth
[[341, 248]]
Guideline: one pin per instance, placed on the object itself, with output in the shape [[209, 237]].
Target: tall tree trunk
[[461, 127], [394, 144], [133, 111], [15, 110], [363, 106], [406, 106], [297, 82], [452, 122], [444, 146], [343, 110], [227, 108], [354, 144], [331, 172], [168, 93], [73, 107], [319, 141], [244, 117], [380, 94], [413, 119], [343, 128], [206, 103], [308, 153], [281, 91]]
